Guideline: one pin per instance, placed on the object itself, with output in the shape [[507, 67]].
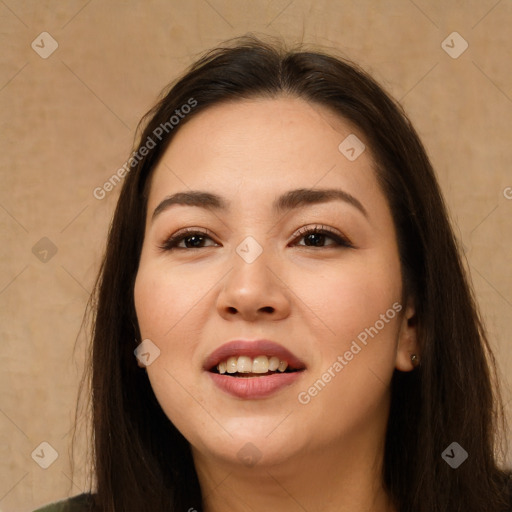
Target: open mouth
[[253, 370], [259, 366]]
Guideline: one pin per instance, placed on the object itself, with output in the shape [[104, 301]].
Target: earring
[[415, 360]]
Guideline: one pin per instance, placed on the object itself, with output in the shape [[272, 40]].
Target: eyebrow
[[292, 199]]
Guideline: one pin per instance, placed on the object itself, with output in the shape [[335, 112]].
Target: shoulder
[[80, 503]]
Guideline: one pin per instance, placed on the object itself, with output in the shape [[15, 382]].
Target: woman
[[305, 335]]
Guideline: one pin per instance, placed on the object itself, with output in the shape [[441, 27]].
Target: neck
[[345, 478]]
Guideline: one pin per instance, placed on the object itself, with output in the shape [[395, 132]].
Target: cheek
[[169, 311], [359, 309], [349, 298], [167, 306], [163, 299]]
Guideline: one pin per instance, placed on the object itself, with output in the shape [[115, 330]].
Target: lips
[[252, 349], [253, 386]]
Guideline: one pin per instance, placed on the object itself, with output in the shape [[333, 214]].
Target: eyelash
[[173, 241]]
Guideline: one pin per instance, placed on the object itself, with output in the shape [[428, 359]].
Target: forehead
[[254, 148]]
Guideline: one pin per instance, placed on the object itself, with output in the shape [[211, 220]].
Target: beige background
[[68, 123]]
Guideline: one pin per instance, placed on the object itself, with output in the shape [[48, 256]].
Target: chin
[[253, 443]]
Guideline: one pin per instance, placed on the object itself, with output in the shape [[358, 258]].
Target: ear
[[407, 339]]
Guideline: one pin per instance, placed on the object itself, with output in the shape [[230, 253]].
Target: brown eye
[[193, 239], [315, 237]]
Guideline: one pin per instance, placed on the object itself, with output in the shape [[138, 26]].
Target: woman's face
[[328, 303]]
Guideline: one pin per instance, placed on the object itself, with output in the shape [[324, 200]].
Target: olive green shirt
[[80, 503]]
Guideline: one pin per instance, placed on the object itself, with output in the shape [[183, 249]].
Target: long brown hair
[[143, 463]]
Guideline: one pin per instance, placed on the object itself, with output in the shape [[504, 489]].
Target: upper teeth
[[245, 364]]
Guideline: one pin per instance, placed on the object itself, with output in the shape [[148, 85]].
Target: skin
[[325, 455]]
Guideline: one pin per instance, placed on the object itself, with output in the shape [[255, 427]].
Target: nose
[[254, 291]]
